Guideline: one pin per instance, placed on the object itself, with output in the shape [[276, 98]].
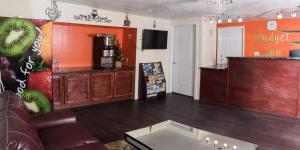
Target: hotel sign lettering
[[271, 40]]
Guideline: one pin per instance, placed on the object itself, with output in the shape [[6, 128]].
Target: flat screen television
[[154, 39]]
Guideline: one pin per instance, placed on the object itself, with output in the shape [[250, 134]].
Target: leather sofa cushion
[[16, 133], [66, 136], [13, 106], [92, 146], [53, 119]]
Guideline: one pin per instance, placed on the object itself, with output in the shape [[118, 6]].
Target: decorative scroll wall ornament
[[126, 20], [93, 17], [53, 12], [154, 24]]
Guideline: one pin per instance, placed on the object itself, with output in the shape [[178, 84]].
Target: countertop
[[215, 67], [89, 69], [267, 58]]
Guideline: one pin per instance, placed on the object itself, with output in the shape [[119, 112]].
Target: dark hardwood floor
[[110, 121]]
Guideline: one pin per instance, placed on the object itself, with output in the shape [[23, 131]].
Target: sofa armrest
[[91, 146], [53, 119]]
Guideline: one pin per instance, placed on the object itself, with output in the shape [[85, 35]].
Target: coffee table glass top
[[171, 135]]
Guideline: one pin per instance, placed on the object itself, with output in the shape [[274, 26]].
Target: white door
[[183, 59], [230, 43]]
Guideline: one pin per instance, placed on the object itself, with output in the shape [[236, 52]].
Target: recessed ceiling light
[[293, 14], [279, 15]]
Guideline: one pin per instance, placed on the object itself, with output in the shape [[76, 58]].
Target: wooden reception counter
[[270, 85]]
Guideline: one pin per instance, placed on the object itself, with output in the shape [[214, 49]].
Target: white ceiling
[[175, 9]]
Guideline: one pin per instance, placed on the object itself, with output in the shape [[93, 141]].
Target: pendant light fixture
[[293, 14], [229, 20], [211, 20], [240, 19], [220, 20]]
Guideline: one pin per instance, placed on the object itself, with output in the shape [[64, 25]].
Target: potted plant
[[118, 55]]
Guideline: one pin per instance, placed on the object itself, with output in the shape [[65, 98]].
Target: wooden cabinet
[[213, 85], [264, 85], [92, 87], [57, 90], [77, 88], [102, 86], [269, 85], [124, 83]]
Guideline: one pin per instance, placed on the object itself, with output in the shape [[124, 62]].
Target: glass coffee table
[[171, 135]]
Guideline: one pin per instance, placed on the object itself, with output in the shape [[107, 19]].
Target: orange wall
[[129, 46], [275, 43], [72, 44]]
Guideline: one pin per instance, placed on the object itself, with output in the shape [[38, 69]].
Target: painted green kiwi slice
[[36, 101], [16, 36]]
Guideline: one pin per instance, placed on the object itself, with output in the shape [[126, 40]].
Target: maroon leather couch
[[54, 131]]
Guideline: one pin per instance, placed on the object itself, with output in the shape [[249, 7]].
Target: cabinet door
[[77, 88], [124, 83], [213, 85], [102, 86], [57, 90]]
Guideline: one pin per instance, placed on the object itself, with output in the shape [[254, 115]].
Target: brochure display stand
[[152, 80]]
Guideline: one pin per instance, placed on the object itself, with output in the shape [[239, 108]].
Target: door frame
[[240, 27], [196, 53]]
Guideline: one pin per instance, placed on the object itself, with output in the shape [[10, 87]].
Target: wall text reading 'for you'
[[29, 64]]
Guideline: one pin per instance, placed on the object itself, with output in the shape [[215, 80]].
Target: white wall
[[36, 9], [205, 54], [209, 43]]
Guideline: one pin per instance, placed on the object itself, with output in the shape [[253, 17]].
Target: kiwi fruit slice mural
[[36, 101], [16, 36], [19, 40]]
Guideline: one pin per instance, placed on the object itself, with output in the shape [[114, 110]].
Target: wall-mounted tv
[[154, 39]]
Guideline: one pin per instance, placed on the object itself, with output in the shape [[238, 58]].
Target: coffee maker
[[104, 48]]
